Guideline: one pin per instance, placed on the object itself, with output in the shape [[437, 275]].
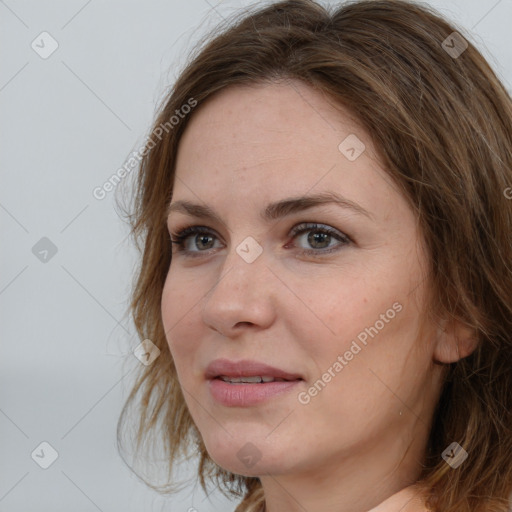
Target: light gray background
[[68, 123]]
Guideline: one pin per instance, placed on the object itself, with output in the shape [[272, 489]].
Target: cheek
[[166, 308], [178, 308], [179, 295], [371, 324], [337, 311], [372, 382]]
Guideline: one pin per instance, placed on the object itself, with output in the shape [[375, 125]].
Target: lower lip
[[244, 395]]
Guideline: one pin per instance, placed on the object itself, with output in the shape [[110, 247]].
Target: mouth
[[247, 371], [253, 380], [248, 383]]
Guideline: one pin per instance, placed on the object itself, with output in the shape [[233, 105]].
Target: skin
[[358, 444]]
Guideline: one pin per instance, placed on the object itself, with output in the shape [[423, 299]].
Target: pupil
[[313, 238], [203, 237]]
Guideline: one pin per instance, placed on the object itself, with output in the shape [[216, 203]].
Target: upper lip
[[246, 368]]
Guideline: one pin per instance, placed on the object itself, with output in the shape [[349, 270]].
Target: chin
[[244, 456], [230, 462]]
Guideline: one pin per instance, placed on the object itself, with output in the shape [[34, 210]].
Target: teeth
[[251, 380], [242, 379]]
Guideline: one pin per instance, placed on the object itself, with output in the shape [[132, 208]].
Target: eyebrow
[[275, 210]]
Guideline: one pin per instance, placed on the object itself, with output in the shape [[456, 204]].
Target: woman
[[326, 264]]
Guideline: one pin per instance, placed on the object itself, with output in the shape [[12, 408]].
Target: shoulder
[[410, 499]]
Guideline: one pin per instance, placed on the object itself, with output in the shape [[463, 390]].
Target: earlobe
[[455, 340]]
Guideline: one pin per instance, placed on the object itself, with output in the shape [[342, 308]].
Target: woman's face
[[338, 311]]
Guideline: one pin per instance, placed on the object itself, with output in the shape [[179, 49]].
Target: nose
[[244, 294]]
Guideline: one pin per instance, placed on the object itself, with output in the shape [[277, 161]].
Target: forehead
[[288, 116], [257, 144]]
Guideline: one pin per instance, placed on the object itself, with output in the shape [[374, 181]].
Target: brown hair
[[442, 124]]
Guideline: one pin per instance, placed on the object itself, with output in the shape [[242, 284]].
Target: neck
[[371, 481]]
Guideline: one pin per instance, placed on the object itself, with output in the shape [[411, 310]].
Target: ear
[[455, 340]]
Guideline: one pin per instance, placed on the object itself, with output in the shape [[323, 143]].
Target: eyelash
[[178, 238]]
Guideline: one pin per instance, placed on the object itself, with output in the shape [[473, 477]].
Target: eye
[[319, 238], [203, 238]]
